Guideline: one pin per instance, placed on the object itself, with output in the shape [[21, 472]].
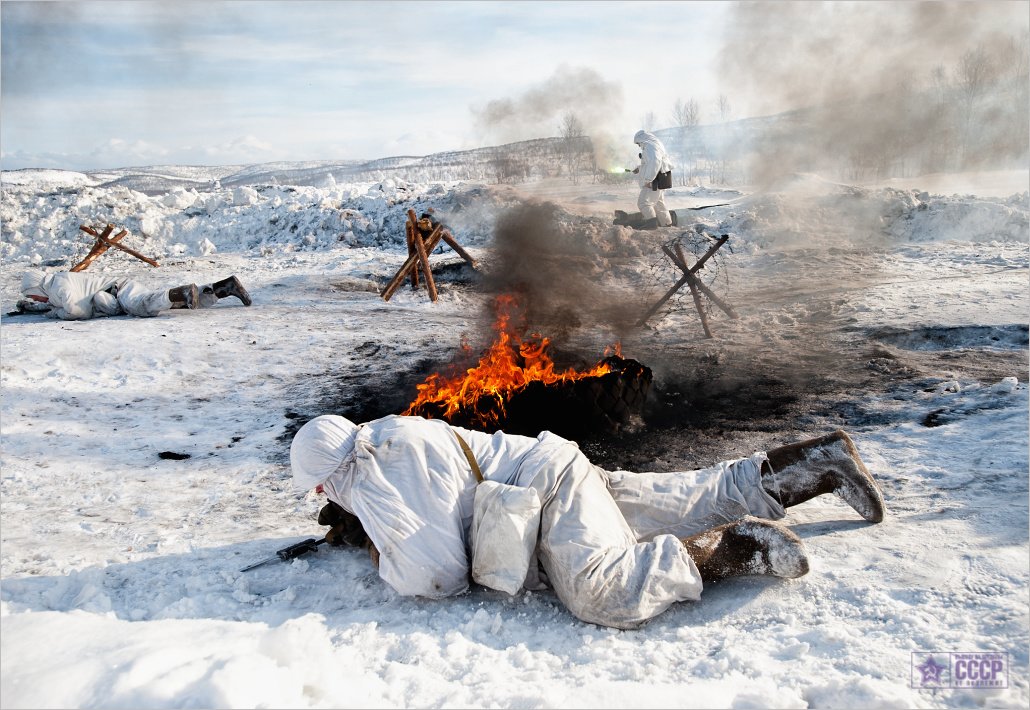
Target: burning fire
[[508, 366]]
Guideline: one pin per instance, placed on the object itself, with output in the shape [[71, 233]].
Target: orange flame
[[508, 366]]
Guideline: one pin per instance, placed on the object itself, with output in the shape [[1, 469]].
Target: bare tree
[[939, 122], [939, 81], [571, 126], [975, 73], [649, 121], [686, 114], [571, 131], [724, 108], [509, 167], [1013, 55], [719, 168]]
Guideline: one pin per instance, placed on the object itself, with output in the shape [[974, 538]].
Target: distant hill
[[493, 164], [888, 135]]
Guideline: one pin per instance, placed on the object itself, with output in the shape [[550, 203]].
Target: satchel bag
[[662, 181], [505, 527]]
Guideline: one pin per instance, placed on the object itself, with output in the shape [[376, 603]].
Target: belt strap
[[470, 457]]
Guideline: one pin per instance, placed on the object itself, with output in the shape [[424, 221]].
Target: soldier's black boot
[[231, 287], [827, 464], [747, 546], [184, 296]]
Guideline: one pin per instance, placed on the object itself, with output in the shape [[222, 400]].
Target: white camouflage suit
[[80, 296], [608, 542], [654, 160]]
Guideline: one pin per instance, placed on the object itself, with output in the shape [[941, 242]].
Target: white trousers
[[133, 299], [609, 541], [652, 204]]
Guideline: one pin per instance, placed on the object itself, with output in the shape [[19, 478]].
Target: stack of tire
[[573, 409]]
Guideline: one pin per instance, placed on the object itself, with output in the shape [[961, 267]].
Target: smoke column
[[552, 264], [595, 101], [868, 71]]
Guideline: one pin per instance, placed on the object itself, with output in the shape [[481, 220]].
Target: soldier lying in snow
[[80, 296], [618, 548]]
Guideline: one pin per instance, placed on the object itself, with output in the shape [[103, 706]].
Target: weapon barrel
[[289, 553]]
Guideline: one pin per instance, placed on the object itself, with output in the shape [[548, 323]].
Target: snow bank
[[807, 210], [41, 179], [40, 221], [42, 225]]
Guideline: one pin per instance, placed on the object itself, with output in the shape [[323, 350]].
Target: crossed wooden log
[[693, 282], [105, 241], [421, 242]]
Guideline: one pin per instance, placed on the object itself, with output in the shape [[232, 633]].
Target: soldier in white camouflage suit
[[80, 296], [617, 547]]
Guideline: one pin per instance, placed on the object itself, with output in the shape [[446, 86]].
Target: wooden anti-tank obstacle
[[105, 241], [693, 282], [423, 236]]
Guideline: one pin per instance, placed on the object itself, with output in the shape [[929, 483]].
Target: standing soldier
[[655, 178]]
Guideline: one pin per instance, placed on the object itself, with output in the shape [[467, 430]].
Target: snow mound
[[38, 179], [808, 210], [263, 219]]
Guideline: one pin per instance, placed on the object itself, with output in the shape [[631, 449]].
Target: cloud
[[117, 151], [241, 150], [402, 76]]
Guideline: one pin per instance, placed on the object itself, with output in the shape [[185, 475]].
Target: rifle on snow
[[289, 553]]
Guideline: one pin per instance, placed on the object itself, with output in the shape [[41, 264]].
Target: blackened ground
[[759, 401], [722, 404]]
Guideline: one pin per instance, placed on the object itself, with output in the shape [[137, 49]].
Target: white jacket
[[654, 159], [410, 484]]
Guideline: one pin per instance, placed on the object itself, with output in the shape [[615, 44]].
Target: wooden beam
[[127, 250], [423, 257], [420, 246], [98, 246], [716, 300], [662, 300], [681, 262], [699, 306], [430, 244], [449, 238], [409, 232]]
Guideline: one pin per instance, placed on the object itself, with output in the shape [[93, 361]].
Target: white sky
[[109, 84], [89, 85]]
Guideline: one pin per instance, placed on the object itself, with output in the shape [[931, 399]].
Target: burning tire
[[573, 408]]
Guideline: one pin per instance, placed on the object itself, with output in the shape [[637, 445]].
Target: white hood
[[32, 283], [318, 449], [653, 159], [643, 136]]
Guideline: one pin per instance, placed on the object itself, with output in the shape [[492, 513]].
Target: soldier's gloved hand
[[28, 305], [345, 528], [331, 514]]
